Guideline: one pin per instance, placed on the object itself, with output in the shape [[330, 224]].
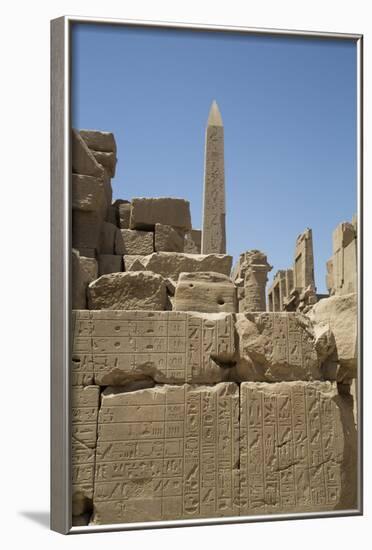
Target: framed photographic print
[[206, 274]]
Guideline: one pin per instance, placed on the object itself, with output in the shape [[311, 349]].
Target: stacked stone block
[[189, 399]]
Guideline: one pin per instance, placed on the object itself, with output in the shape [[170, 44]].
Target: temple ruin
[[195, 392]]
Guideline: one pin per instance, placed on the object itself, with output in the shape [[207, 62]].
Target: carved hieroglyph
[[85, 400], [297, 448], [169, 452], [275, 347], [214, 212], [168, 346]]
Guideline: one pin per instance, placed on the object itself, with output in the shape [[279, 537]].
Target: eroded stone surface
[[99, 141], [297, 448], [168, 238], [132, 262], [340, 314], [83, 161], [171, 264], [88, 193], [168, 452], [137, 242], [129, 291], [107, 160], [146, 212], [205, 292], [192, 244], [275, 347], [83, 271], [85, 400]]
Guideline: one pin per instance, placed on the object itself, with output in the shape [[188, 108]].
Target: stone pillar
[[250, 277], [214, 232], [304, 262]]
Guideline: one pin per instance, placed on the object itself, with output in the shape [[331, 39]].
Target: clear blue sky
[[289, 112]]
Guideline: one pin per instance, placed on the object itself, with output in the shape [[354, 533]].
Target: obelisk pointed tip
[[214, 118]]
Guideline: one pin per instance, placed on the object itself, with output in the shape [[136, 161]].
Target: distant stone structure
[[303, 271], [189, 399], [280, 290], [214, 210], [342, 267], [294, 289], [250, 277]]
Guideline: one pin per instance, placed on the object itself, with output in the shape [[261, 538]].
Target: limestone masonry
[[197, 392]]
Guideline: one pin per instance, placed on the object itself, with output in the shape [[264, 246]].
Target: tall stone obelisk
[[214, 232]]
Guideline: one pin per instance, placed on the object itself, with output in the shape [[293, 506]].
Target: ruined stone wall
[[186, 404], [294, 289], [280, 291], [342, 267]]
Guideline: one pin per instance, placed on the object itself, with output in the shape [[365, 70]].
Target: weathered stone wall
[[294, 289], [342, 267], [189, 399], [280, 290]]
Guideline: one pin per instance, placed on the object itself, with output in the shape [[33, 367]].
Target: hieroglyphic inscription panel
[[82, 359], [289, 348], [84, 414], [291, 447], [167, 346], [169, 452], [214, 232]]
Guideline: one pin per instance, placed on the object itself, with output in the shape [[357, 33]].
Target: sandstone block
[[168, 238], [132, 262], [90, 266], [111, 215], [83, 161], [107, 160], [82, 349], [205, 292], [85, 401], [124, 215], [83, 271], [128, 291], [137, 242], [297, 448], [99, 141], [192, 244], [146, 212], [86, 230], [275, 347], [107, 238], [171, 264], [88, 193], [339, 313], [177, 451], [109, 263], [163, 346]]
